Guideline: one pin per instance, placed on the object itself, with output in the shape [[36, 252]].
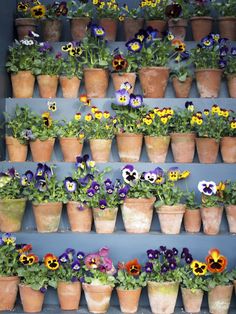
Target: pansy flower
[[70, 185], [102, 204], [134, 45], [151, 35], [27, 178], [97, 31], [85, 100], [91, 192], [38, 11], [63, 258], [92, 261], [8, 239], [119, 63], [51, 261], [207, 187], [136, 101], [122, 97], [98, 115], [108, 182], [173, 10], [123, 192], [129, 174], [28, 259], [110, 189], [76, 266], [62, 9], [126, 85], [222, 63], [198, 268], [150, 176], [164, 268], [189, 105], [77, 116], [95, 185], [233, 51], [22, 6], [216, 263], [141, 35], [172, 264], [133, 267], [173, 174], [207, 41], [41, 185], [52, 106], [47, 119], [80, 255], [148, 267]]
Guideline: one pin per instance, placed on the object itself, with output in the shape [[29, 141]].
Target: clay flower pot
[[160, 25], [100, 149], [120, 78], [51, 30], [207, 149], [162, 296], [192, 300], [153, 81], [228, 149], [128, 299], [97, 297], [137, 214], [227, 27], [24, 25], [32, 300], [182, 89], [208, 82], [78, 27], [96, 82], [157, 147], [132, 26], [11, 214], [234, 282], [170, 218], [105, 219], [71, 147], [110, 27], [192, 220], [211, 219], [178, 27], [231, 81], [17, 152], [8, 292], [22, 84], [70, 86], [183, 146], [231, 217], [129, 146], [69, 295], [80, 217], [219, 299], [47, 216], [201, 26], [42, 150], [47, 85]]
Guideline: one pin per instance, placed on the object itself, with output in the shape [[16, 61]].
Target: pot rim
[[45, 204], [129, 134], [95, 69], [208, 70], [228, 17], [70, 138], [137, 289], [154, 68], [13, 200], [157, 136], [206, 17], [140, 199], [9, 278]]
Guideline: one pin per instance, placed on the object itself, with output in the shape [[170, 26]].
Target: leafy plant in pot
[[228, 139], [230, 72], [192, 216], [229, 195]]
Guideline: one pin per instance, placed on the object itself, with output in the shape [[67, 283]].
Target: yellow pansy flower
[[88, 117], [98, 115]]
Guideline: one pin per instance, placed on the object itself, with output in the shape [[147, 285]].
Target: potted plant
[[230, 72], [129, 281], [192, 216], [229, 195], [228, 139]]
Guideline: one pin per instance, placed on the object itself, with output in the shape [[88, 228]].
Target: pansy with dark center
[[110, 189], [122, 97], [63, 258], [51, 261], [164, 268], [44, 47], [119, 63], [224, 51], [173, 10], [173, 173], [108, 182], [150, 176], [216, 263], [188, 259], [80, 255], [198, 268], [95, 185], [133, 267], [141, 35], [168, 254], [123, 192], [207, 187], [91, 192], [27, 178], [222, 63], [134, 45], [70, 185], [175, 251], [184, 252], [85, 180], [162, 249], [102, 204], [148, 267], [172, 264], [76, 266], [97, 31], [41, 185], [136, 101], [207, 41], [62, 9], [129, 174]]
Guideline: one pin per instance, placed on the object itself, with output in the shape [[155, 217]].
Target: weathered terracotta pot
[[110, 27], [70, 86], [157, 147], [153, 81], [128, 299], [231, 217], [183, 146], [51, 30], [170, 218], [129, 146], [207, 149], [162, 296], [69, 295], [211, 219], [24, 25], [137, 214], [227, 27], [228, 149], [96, 82], [208, 82], [182, 89], [8, 292], [120, 78], [11, 214], [231, 81], [234, 282], [97, 297], [23, 84], [201, 26], [192, 300], [71, 147], [100, 149], [178, 27], [132, 26], [17, 152], [47, 216], [80, 217], [105, 219], [78, 27], [42, 150], [219, 299], [160, 25], [47, 85], [192, 220], [32, 300]]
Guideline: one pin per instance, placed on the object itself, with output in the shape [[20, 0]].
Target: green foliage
[[219, 279], [73, 128], [96, 277], [200, 8], [229, 194], [133, 13], [10, 185], [100, 126], [48, 64], [79, 8], [43, 127], [190, 281], [206, 57], [231, 65], [154, 11], [181, 72], [228, 9], [190, 200], [141, 190], [9, 260], [169, 194], [181, 121], [71, 67], [34, 276], [128, 282], [107, 9]]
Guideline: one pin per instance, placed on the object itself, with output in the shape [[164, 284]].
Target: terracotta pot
[[201, 26], [182, 89], [42, 150], [47, 86], [162, 296], [178, 27], [211, 219], [69, 295], [71, 147], [192, 300], [51, 30], [11, 214], [227, 27], [137, 214], [170, 218], [192, 220], [208, 82], [228, 149], [78, 27], [47, 216], [129, 146], [22, 84], [70, 86], [207, 149], [105, 219], [96, 82], [100, 149], [160, 25], [32, 300], [110, 27], [17, 152], [231, 81], [183, 146], [231, 217], [8, 292], [153, 81], [120, 78], [24, 25], [157, 147], [128, 299], [80, 217], [219, 299], [234, 282], [97, 297], [132, 26]]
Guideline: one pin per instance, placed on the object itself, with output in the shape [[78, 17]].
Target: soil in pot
[[8, 292], [17, 152], [128, 299], [80, 217], [11, 214], [105, 219]]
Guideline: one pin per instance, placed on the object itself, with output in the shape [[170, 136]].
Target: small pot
[[96, 82], [170, 218], [11, 214], [120, 78], [132, 26], [192, 220], [182, 89], [201, 26], [129, 146], [71, 147], [208, 82], [228, 149], [105, 219], [192, 300], [23, 84], [17, 152], [227, 27], [110, 27], [183, 146], [80, 217], [219, 299], [231, 81], [70, 86], [32, 300], [128, 299], [24, 26], [157, 148], [78, 27], [51, 30], [8, 292], [42, 150], [47, 85], [207, 149], [231, 217], [178, 27], [160, 25], [69, 295], [211, 219], [100, 149]]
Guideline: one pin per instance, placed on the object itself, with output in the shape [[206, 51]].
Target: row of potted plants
[[165, 271]]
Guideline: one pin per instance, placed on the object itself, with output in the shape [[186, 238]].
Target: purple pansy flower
[[41, 185], [110, 189], [150, 254], [185, 252], [134, 45], [91, 192], [85, 180], [222, 63], [70, 185], [168, 254], [164, 268], [122, 97], [162, 249], [136, 101], [207, 187], [207, 41], [148, 267], [172, 264], [74, 279], [108, 182], [102, 204], [63, 258], [44, 47], [233, 51], [188, 259], [123, 192], [43, 289], [76, 266], [95, 186], [129, 174], [104, 251], [175, 251], [80, 255]]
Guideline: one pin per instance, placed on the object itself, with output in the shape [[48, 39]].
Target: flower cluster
[[107, 8], [56, 10], [154, 10], [10, 186], [27, 8]]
